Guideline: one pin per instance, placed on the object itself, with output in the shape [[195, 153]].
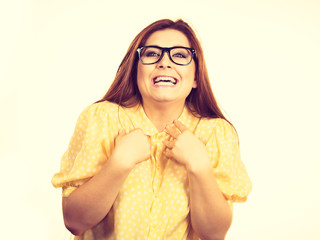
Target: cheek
[[139, 71], [190, 74], [142, 77], [143, 72]]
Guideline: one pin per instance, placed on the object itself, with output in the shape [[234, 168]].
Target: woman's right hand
[[131, 147]]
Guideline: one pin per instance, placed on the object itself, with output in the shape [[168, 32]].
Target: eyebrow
[[166, 47]]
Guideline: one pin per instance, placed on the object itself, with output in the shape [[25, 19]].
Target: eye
[[180, 53], [151, 52]]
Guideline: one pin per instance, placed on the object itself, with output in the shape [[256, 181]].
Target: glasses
[[153, 54]]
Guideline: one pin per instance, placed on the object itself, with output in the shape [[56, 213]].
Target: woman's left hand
[[184, 147]]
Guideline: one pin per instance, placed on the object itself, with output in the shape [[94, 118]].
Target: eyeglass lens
[[151, 55]]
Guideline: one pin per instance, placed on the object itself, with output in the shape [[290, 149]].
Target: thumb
[[122, 132]]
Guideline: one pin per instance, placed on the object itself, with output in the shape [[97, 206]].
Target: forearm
[[210, 213], [91, 202]]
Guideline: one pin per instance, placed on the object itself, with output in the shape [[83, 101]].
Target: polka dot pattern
[[153, 201]]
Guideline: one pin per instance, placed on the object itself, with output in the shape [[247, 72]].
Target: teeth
[[165, 81]]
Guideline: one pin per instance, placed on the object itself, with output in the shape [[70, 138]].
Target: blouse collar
[[139, 119]]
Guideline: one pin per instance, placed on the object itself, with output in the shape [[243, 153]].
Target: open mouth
[[164, 81]]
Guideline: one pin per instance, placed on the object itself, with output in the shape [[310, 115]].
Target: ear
[[195, 84]]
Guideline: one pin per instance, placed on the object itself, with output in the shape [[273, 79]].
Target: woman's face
[[153, 79]]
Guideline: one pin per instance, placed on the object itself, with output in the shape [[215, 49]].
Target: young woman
[[155, 158]]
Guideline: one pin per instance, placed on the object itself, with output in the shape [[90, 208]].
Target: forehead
[[168, 38]]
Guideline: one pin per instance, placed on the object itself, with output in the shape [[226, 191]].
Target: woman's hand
[[131, 148], [184, 147], [102, 189]]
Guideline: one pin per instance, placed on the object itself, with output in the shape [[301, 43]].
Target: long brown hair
[[124, 90]]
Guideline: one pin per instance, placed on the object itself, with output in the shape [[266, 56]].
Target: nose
[[165, 61]]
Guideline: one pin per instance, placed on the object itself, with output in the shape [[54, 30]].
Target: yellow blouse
[[153, 202]]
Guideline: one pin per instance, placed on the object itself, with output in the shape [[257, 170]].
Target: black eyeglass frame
[[163, 50]]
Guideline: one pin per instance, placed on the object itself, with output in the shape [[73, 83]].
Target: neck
[[163, 114]]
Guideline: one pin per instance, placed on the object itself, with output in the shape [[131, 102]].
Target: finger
[[180, 125], [122, 132], [136, 130], [172, 131], [168, 153], [168, 144]]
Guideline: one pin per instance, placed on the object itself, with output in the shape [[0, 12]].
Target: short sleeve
[[230, 172], [85, 154]]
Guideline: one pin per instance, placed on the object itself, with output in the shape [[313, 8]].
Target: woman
[[155, 158]]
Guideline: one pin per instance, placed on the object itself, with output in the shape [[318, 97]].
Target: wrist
[[120, 163], [198, 167]]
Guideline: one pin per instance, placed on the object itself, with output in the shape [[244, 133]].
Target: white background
[[57, 57]]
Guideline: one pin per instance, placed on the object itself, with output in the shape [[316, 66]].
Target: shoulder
[[219, 127], [98, 111], [216, 123], [100, 108]]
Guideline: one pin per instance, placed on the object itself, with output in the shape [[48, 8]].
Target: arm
[[89, 204], [210, 213]]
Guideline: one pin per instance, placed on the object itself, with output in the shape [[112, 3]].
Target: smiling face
[[165, 81]]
